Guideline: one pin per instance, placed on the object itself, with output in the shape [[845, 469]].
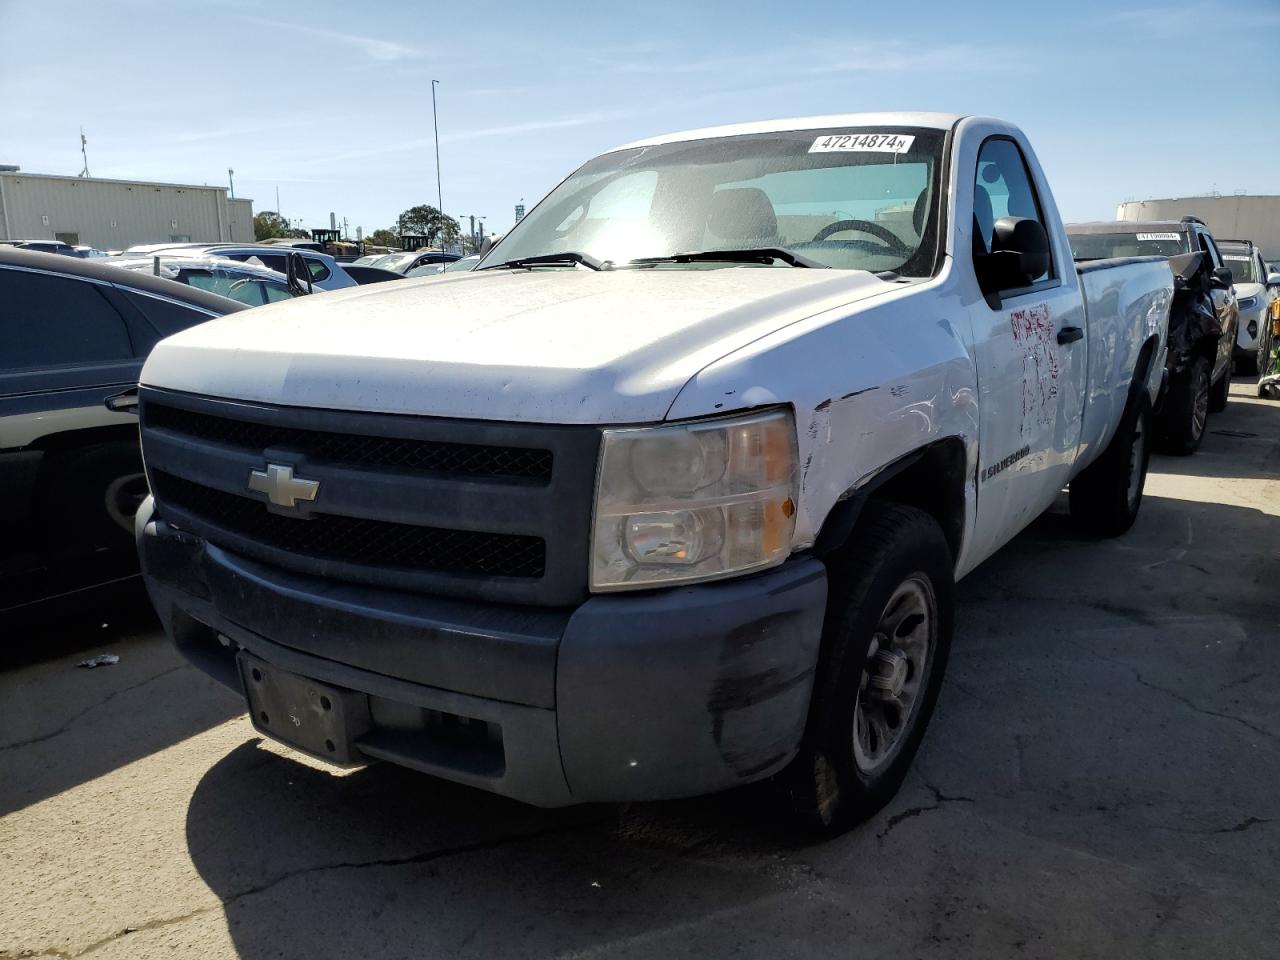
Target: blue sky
[[331, 102]]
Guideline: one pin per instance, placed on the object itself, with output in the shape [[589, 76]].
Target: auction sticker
[[1159, 236], [863, 143]]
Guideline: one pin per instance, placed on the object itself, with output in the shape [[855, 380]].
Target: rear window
[[1242, 267]]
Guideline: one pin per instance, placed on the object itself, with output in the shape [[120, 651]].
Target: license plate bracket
[[316, 718]]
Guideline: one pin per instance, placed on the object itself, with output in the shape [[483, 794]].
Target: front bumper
[[1250, 328], [668, 693]]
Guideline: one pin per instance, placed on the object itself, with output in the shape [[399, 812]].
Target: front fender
[[868, 386]]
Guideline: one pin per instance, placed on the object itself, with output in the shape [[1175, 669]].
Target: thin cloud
[[374, 48], [858, 57]]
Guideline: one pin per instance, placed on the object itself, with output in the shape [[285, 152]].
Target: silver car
[[246, 282], [326, 272], [1254, 293]]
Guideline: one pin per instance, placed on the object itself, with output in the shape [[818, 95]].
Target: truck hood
[[553, 346]]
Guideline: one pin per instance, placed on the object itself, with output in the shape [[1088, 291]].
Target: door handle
[[1070, 334], [126, 402]]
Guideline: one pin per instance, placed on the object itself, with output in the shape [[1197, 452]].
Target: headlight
[[693, 501], [1248, 303]]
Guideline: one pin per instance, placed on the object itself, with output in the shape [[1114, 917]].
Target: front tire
[[1107, 495], [884, 651], [1187, 410]]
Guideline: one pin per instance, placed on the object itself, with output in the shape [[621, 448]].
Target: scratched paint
[[1034, 333]]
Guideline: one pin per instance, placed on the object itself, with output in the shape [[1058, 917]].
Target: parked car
[[75, 332], [244, 282], [326, 272], [363, 274], [462, 264], [403, 262], [1254, 291], [1202, 328], [668, 495], [43, 246]]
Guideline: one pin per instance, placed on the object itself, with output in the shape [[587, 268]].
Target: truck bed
[[1133, 294]]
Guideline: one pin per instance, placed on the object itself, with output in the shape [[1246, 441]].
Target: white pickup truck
[[670, 494]]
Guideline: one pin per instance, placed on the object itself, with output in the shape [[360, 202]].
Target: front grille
[[355, 540], [322, 446]]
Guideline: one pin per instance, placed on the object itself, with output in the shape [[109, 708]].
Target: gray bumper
[[641, 696]]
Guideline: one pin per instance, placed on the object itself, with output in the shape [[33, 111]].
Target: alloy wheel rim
[[1137, 454], [1201, 412], [895, 675]]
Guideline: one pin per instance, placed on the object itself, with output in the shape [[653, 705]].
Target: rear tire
[[1221, 390], [884, 650], [90, 495], [1106, 497], [1186, 410]]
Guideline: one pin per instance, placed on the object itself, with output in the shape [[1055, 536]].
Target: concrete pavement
[[1099, 780]]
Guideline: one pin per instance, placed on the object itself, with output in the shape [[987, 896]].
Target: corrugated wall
[[1228, 218], [114, 214]]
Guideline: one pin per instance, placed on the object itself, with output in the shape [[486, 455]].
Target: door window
[[57, 321], [1209, 247], [165, 315], [1003, 188]]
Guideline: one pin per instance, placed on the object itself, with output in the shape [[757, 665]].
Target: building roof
[[19, 174]]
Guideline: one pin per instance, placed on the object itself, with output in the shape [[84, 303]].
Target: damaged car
[[1202, 322]]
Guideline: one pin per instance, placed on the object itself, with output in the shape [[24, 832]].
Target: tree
[[383, 238], [269, 224], [425, 220]]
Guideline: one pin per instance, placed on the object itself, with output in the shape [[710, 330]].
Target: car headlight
[[693, 501], [1248, 303]]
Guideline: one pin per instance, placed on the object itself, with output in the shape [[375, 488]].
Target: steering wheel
[[864, 226]]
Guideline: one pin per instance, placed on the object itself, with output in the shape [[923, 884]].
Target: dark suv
[[1202, 322], [75, 332]]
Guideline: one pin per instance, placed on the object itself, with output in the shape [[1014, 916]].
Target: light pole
[[231, 175], [435, 125]]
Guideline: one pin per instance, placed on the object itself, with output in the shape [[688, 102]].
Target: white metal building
[[114, 214], [1228, 218]]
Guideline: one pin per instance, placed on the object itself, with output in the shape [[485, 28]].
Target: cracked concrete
[[1099, 780]]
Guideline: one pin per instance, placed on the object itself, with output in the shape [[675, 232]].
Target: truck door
[[1224, 305], [1031, 348]]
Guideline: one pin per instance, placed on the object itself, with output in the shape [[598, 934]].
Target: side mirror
[[1020, 254], [1222, 278], [1273, 280]]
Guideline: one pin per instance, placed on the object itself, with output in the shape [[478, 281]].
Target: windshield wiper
[[565, 259], [750, 255]]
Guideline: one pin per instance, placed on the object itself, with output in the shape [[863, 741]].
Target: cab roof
[[937, 121]]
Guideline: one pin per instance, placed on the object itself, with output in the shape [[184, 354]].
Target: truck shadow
[[308, 863]]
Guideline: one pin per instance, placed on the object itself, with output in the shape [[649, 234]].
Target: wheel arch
[[931, 478]]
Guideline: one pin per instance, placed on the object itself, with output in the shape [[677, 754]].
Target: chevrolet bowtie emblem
[[281, 486]]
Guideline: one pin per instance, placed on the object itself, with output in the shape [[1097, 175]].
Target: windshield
[[1243, 269], [394, 261], [851, 198], [1104, 246]]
